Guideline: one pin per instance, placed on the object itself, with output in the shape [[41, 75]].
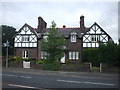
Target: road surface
[[38, 79]]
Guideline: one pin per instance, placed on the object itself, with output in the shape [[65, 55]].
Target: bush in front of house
[[17, 59], [14, 59], [106, 53], [47, 65], [54, 66], [40, 62]]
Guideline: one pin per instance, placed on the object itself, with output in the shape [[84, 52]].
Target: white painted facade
[[95, 35], [25, 38]]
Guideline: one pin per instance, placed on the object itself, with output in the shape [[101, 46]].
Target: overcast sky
[[16, 14]]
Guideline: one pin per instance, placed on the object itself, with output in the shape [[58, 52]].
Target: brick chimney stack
[[82, 27], [41, 24]]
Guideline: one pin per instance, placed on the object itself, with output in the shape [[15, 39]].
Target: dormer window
[[73, 37]]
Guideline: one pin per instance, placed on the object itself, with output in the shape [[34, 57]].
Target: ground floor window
[[73, 55], [43, 55], [25, 54]]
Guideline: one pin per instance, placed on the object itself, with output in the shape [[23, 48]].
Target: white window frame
[[25, 54], [25, 38], [95, 38], [77, 55], [70, 55], [73, 55], [43, 55], [73, 37]]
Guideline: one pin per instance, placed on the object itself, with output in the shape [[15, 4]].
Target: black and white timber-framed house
[[27, 42]]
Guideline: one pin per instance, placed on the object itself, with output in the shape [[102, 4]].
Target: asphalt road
[[36, 79]]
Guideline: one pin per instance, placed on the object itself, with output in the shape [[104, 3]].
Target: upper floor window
[[25, 38], [73, 37], [94, 38]]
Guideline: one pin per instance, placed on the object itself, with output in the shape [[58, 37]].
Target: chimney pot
[[64, 26]]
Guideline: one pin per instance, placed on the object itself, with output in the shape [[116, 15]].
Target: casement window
[[45, 38], [43, 55], [73, 55], [25, 38], [25, 54], [94, 38], [73, 38]]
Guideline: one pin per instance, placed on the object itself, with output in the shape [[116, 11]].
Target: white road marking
[[15, 76], [25, 77], [100, 83], [21, 86], [9, 75], [69, 81], [86, 82]]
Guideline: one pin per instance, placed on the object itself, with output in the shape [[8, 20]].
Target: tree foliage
[[106, 53], [8, 33], [54, 46]]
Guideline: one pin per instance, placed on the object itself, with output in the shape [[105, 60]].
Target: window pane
[[26, 54], [77, 55], [23, 54], [73, 55], [73, 38], [70, 55]]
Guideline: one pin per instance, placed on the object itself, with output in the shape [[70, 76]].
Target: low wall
[[66, 67], [106, 68], [33, 65], [77, 67], [16, 65]]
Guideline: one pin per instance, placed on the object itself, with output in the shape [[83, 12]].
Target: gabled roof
[[98, 26], [100, 29], [31, 29]]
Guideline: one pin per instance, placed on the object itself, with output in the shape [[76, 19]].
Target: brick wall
[[74, 46], [32, 52]]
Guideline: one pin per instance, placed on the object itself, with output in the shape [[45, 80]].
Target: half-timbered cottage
[[27, 42]]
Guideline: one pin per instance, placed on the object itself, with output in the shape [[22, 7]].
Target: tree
[[54, 46], [8, 33]]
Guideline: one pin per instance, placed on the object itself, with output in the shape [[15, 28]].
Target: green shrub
[[52, 66], [14, 59], [40, 62]]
